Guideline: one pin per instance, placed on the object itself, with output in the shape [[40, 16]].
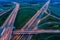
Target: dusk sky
[[29, 0]]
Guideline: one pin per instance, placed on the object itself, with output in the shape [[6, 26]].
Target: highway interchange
[[31, 27]]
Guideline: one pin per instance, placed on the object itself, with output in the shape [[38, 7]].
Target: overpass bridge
[[33, 22], [35, 31]]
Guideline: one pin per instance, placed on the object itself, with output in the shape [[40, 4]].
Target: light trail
[[35, 32], [8, 24]]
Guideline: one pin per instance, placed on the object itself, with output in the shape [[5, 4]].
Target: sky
[[29, 0]]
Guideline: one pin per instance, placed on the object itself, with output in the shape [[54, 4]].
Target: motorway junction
[[29, 21]]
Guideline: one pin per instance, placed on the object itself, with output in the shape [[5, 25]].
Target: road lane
[[36, 32], [8, 23]]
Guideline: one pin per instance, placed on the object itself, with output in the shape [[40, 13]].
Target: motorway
[[33, 22], [8, 24], [35, 31], [12, 16]]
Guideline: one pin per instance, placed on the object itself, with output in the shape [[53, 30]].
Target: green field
[[25, 13], [23, 16], [46, 36]]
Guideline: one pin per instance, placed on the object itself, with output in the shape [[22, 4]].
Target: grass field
[[46, 36], [23, 16], [25, 13]]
